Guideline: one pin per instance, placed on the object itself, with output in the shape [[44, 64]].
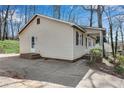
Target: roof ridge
[[58, 20]]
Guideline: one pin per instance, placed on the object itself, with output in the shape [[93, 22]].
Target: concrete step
[[30, 55]]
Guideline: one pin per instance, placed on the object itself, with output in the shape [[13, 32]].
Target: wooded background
[[13, 18]]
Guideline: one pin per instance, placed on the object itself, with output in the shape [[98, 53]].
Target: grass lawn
[[9, 46]]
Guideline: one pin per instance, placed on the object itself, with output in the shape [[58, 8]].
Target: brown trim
[[95, 28], [77, 59], [28, 56], [91, 37], [27, 24], [74, 26], [48, 58], [71, 61]]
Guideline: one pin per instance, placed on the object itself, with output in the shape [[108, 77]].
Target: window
[[82, 39], [86, 42], [38, 20], [77, 38], [89, 42], [32, 42]]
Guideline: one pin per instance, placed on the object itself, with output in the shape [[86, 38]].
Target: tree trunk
[[56, 11], [26, 14], [91, 16], [5, 23], [11, 24], [116, 41], [6, 36], [12, 30], [34, 10], [99, 16], [112, 43], [0, 29], [122, 38]]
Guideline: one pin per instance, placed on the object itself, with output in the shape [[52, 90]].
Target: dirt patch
[[12, 74]]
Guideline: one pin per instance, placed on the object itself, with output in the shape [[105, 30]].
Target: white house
[[53, 38]]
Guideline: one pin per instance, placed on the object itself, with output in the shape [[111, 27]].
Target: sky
[[82, 16]]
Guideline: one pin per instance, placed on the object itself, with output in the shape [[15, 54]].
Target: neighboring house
[[53, 38]]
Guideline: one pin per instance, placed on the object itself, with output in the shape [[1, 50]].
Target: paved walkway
[[97, 79], [6, 82]]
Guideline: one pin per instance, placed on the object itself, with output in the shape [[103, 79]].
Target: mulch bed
[[107, 69]]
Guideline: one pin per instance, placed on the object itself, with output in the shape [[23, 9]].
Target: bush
[[120, 59], [96, 52], [95, 55], [119, 69]]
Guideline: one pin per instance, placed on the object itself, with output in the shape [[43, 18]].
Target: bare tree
[[5, 22], [26, 13], [116, 41], [109, 18], [0, 23], [34, 9], [91, 15], [120, 22], [56, 11], [11, 22], [71, 16], [92, 9], [99, 11]]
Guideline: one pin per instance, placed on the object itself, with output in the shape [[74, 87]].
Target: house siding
[[53, 39], [79, 50]]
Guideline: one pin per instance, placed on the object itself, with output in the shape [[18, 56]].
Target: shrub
[[119, 69], [96, 52], [95, 55], [120, 59]]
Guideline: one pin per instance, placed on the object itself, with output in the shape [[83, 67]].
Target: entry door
[[33, 44]]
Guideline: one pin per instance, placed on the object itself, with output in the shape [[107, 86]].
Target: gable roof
[[94, 28], [81, 28]]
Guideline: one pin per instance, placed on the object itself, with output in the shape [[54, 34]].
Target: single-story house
[[54, 38]]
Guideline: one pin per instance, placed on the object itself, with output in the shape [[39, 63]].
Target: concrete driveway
[[98, 79], [53, 71]]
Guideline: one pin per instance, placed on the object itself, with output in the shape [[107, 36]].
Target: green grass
[[9, 46]]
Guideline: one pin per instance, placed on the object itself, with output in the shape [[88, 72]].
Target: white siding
[[78, 50], [54, 39]]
